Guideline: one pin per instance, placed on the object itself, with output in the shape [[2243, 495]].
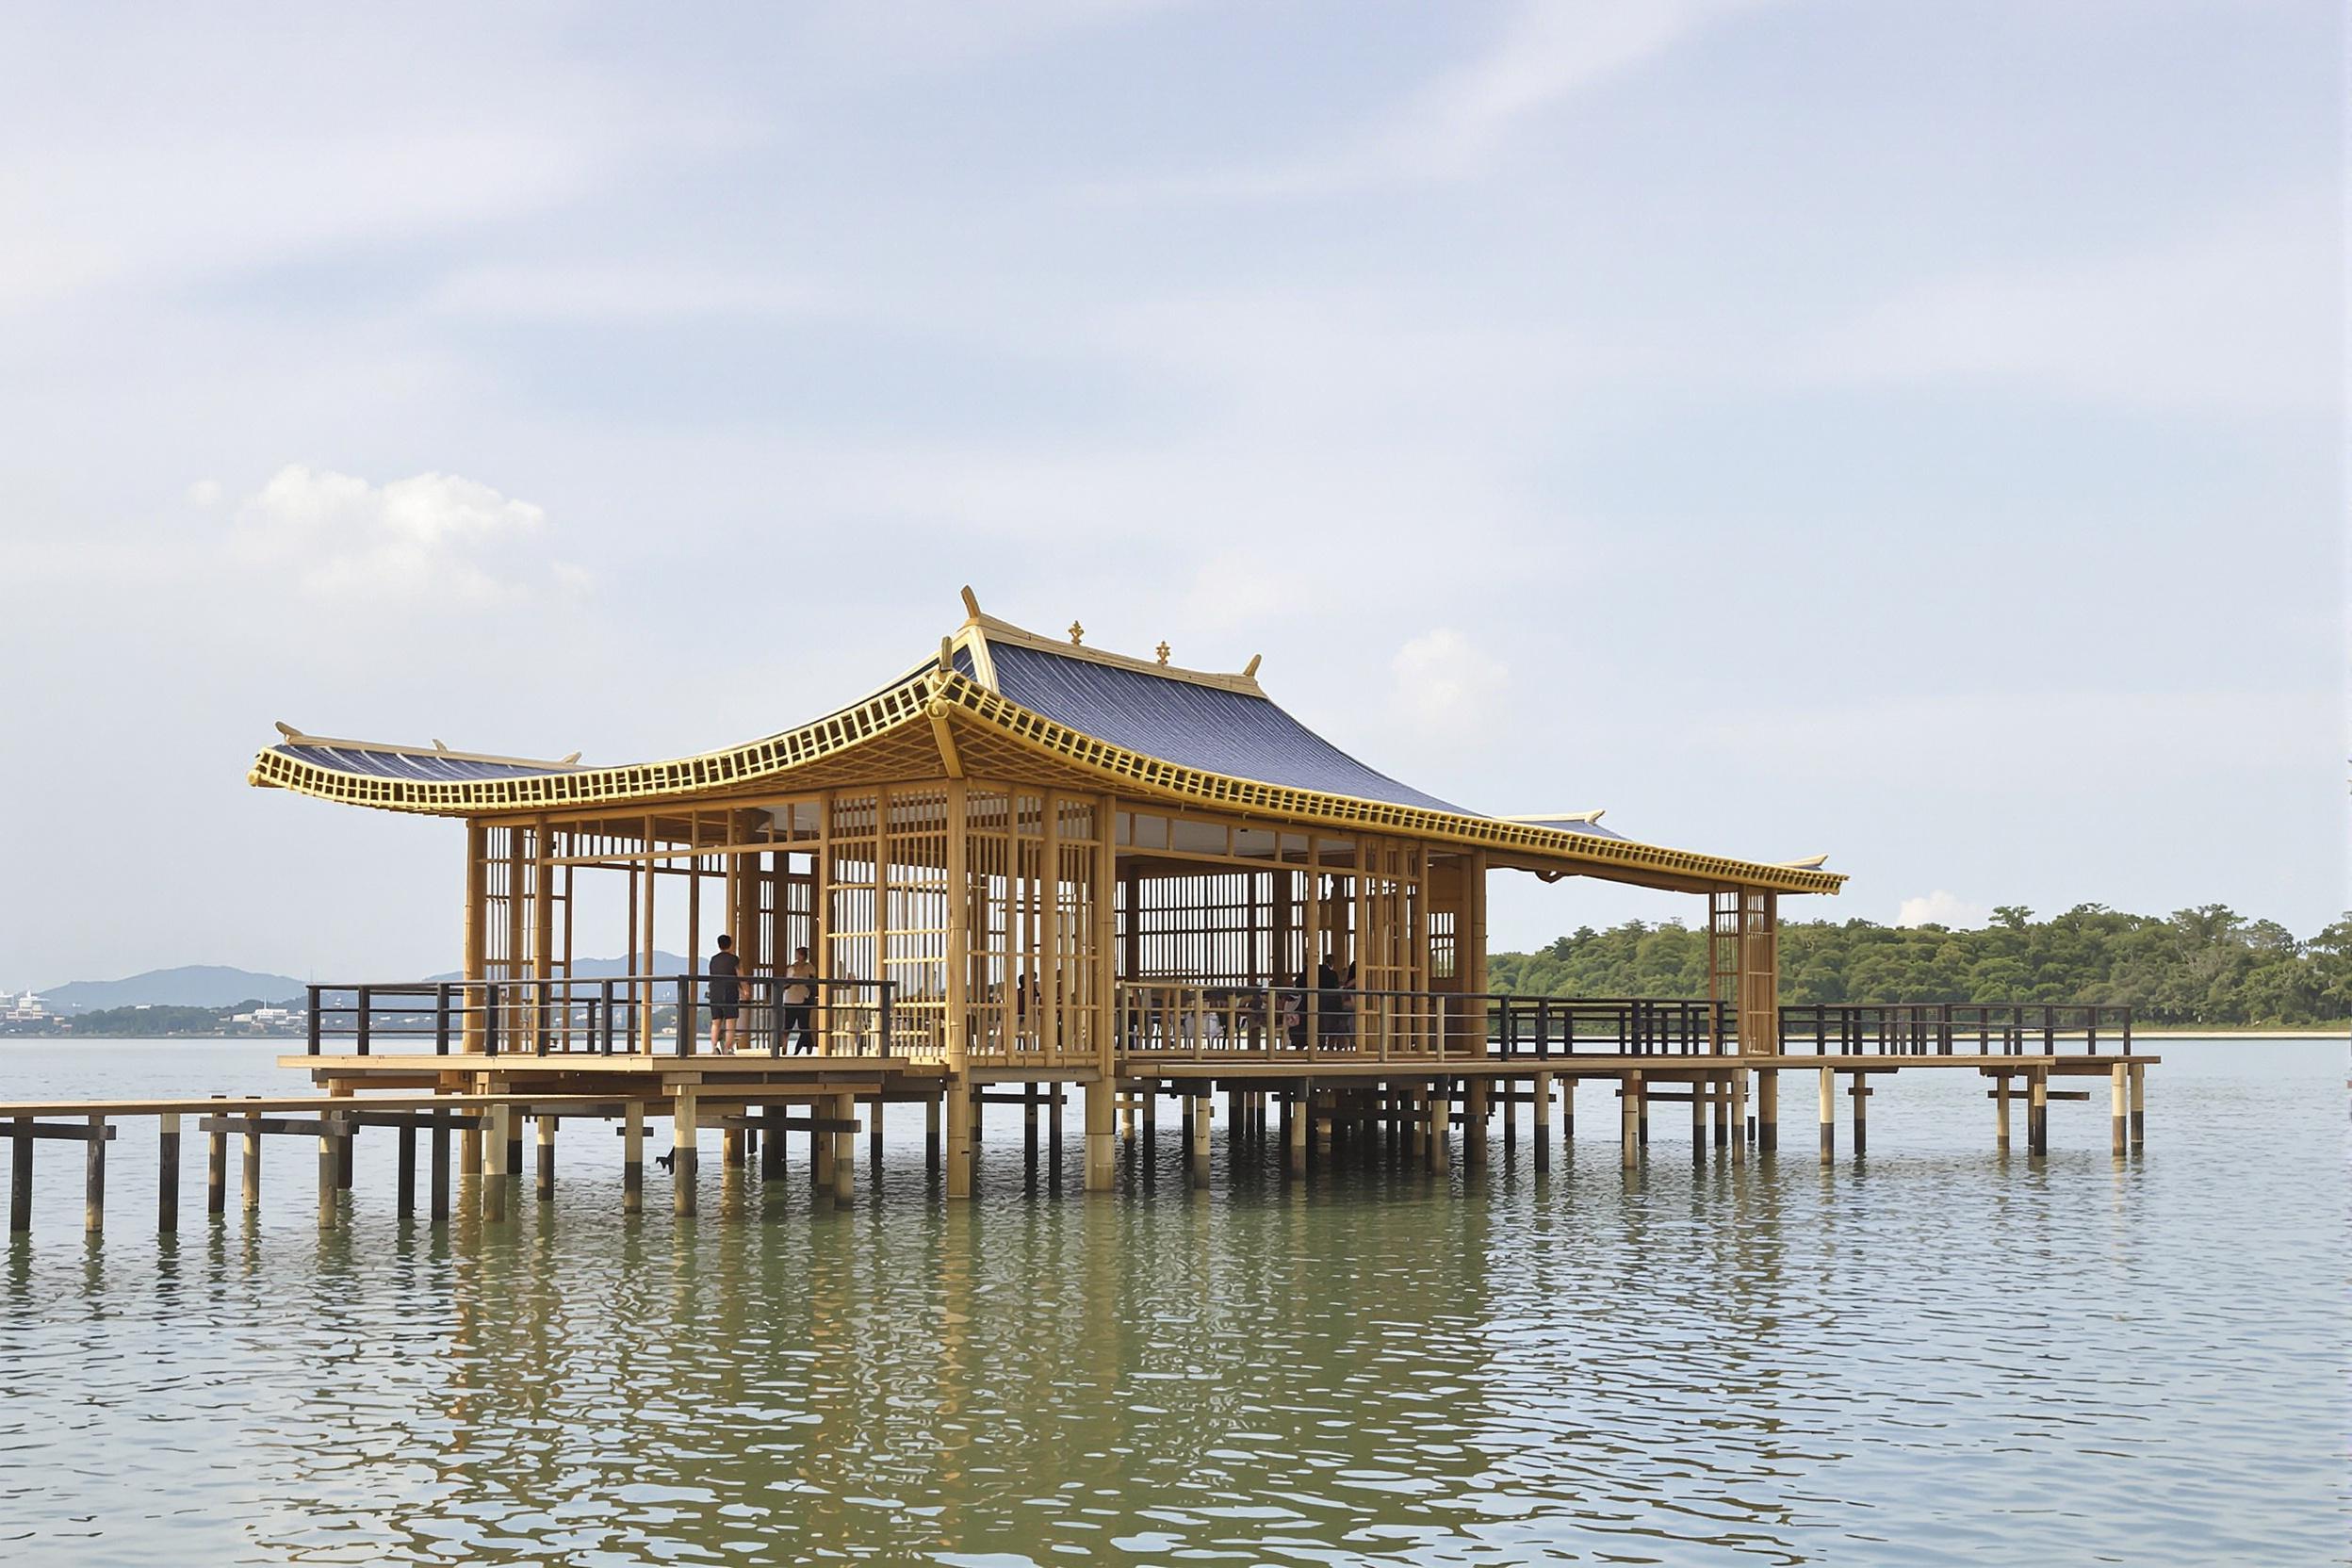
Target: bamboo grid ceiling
[[938, 722]]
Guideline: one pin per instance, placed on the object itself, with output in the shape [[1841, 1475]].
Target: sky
[[1906, 432]]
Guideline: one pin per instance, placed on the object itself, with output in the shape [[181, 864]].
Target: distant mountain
[[192, 986]]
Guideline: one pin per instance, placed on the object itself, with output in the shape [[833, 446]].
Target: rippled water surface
[[1937, 1356]]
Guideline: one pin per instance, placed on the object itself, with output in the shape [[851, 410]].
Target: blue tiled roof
[[1188, 723], [415, 766]]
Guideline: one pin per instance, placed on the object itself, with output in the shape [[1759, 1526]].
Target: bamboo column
[[1860, 1089], [328, 1182], [960, 1152], [873, 1136], [405, 1188], [931, 1109], [95, 1177], [493, 1176], [1702, 1092], [1629, 1121], [1294, 1128], [215, 1166], [844, 1149], [1737, 1086], [1829, 1116], [252, 1162], [1476, 1093], [2001, 1112], [2037, 1112], [547, 1159], [684, 1132], [440, 1166], [2118, 1112], [2139, 1104], [471, 996], [21, 1178], [1202, 1106], [1567, 1116]]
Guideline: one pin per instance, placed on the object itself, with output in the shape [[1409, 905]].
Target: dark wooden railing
[[603, 1014], [1952, 1028]]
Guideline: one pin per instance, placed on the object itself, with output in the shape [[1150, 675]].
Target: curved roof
[[1006, 698]]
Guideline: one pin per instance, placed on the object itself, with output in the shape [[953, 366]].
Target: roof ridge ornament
[[1163, 650], [1077, 635], [972, 604]]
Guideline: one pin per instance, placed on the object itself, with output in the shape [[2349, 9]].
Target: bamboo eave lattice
[[926, 719]]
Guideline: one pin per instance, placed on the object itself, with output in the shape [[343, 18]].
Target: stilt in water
[[1721, 1088], [330, 1172], [1098, 1165], [216, 1168], [634, 1157], [1029, 1126], [933, 1113], [440, 1166], [546, 1158], [1701, 1091], [1053, 1140], [844, 1150], [1203, 1105], [1735, 1085], [873, 1139], [2001, 1112], [1150, 1113], [685, 1133], [732, 1147], [2037, 1112], [1861, 1092], [20, 1177], [515, 1141], [1567, 1116], [1829, 1116], [405, 1180], [1295, 1130], [2139, 1106], [2118, 1112], [345, 1146], [772, 1142], [95, 1177], [252, 1162], [955, 1105], [1629, 1121], [168, 1173], [821, 1145], [1541, 1087], [493, 1161], [1767, 1110], [1475, 1097]]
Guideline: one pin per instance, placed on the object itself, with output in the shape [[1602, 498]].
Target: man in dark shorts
[[727, 998]]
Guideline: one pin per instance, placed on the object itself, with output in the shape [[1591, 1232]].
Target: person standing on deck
[[1329, 1007], [727, 998], [798, 994]]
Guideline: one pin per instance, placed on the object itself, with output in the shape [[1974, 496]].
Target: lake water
[[1940, 1356]]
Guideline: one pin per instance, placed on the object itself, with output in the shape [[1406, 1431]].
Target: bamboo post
[[95, 1177], [1701, 1091], [932, 1106], [1722, 1111], [515, 1140], [1476, 1093], [1440, 1112], [167, 1173], [343, 1152], [1100, 1154], [1860, 1089], [2037, 1112], [440, 1166], [1829, 1116], [494, 1173], [1539, 1087], [477, 945], [634, 1157], [546, 1158], [1567, 1116], [1029, 1123], [2118, 1112], [772, 1142], [1054, 1137], [253, 1161], [216, 1168], [1767, 1110], [330, 1173], [873, 1136], [732, 1147], [2001, 1112], [820, 1147], [21, 1178], [683, 1135], [1629, 1121], [844, 1149], [2139, 1104], [1416, 1111], [1202, 1106], [1294, 1128], [961, 1157], [1735, 1086]]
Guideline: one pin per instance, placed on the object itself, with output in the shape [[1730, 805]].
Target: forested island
[[2209, 966]]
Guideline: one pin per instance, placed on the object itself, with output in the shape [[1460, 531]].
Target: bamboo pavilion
[[1032, 863]]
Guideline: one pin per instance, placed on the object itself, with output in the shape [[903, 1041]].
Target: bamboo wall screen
[[1031, 988]]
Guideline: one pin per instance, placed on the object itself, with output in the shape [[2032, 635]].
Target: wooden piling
[[167, 1173], [2037, 1112], [216, 1168], [1541, 1087], [2118, 1109], [2001, 1112], [873, 1136], [1029, 1123], [1735, 1086], [330, 1172], [844, 1149], [821, 1146], [95, 1177], [1054, 1135], [515, 1143], [252, 1162], [1441, 1110], [931, 1118], [346, 1155], [20, 1177], [1829, 1116], [1767, 1110], [546, 1158], [634, 1157], [732, 1147], [1629, 1121], [772, 1142], [1701, 1091], [1203, 1105], [960, 1149], [1859, 1089], [1476, 1106], [1295, 1130], [1567, 1115], [440, 1181], [2139, 1104], [684, 1135], [1721, 1090], [404, 1201], [501, 1121]]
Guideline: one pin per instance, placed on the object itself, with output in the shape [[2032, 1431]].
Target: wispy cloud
[[625, 291], [1941, 907], [435, 541], [2221, 321], [1548, 53]]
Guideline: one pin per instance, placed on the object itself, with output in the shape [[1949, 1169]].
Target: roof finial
[[1249, 671], [1162, 650], [1077, 635], [972, 603]]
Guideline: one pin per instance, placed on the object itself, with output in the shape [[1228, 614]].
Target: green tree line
[[2209, 965]]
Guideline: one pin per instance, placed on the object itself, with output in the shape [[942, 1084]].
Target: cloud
[[205, 493], [1445, 684], [434, 541], [2246, 316], [1451, 127], [627, 292], [1941, 907]]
